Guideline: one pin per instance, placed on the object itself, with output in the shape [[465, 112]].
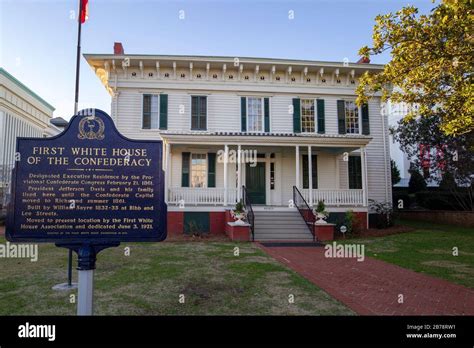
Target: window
[[150, 116], [355, 172], [198, 169], [254, 114], [307, 116], [314, 170], [352, 117], [198, 113]]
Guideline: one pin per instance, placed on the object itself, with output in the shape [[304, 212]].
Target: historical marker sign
[[88, 184]]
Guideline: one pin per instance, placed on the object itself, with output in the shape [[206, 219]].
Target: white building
[[396, 112], [299, 116], [22, 114]]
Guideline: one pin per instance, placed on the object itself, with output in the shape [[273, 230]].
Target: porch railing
[[305, 211], [250, 214], [351, 197], [201, 195]]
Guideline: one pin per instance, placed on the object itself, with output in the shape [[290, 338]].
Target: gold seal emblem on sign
[[91, 127]]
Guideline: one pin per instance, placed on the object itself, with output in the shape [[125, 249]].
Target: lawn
[[428, 249], [151, 280]]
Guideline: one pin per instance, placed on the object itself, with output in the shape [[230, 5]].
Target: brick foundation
[[175, 223], [217, 222], [324, 232]]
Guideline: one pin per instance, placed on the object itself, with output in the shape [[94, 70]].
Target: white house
[[22, 114], [282, 123]]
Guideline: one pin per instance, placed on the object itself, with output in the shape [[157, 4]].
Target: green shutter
[[266, 102], [296, 115], [146, 109], [341, 117], [321, 119], [314, 169], [211, 170], [355, 172], [163, 111], [243, 113], [365, 119], [185, 169]]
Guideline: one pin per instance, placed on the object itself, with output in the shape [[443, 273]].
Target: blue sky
[[38, 38]]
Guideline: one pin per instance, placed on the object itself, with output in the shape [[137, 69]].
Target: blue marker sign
[[89, 184]]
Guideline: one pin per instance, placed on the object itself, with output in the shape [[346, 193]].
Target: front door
[[255, 183]]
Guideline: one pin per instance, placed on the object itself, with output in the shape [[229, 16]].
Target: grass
[[151, 279], [428, 249]]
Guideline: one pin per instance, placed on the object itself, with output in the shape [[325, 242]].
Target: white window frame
[[191, 112], [315, 116], [141, 113], [262, 116], [191, 169], [359, 115]]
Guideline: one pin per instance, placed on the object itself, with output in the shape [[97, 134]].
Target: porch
[[215, 196], [209, 171]]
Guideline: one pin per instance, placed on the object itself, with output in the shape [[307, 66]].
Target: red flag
[[84, 14]]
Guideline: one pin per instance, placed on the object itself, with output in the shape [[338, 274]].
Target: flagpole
[[76, 102], [78, 58]]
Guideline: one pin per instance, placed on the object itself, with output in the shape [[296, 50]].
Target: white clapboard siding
[[378, 166], [224, 115]]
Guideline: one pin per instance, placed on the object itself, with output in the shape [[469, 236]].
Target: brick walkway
[[372, 287]]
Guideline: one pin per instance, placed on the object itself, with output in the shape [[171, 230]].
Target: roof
[[231, 59], [59, 122], [25, 88]]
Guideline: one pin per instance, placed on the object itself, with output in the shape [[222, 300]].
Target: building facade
[[279, 123], [22, 114]]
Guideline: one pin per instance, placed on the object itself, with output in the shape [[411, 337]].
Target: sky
[[38, 38]]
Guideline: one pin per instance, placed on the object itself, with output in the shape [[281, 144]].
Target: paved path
[[372, 287]]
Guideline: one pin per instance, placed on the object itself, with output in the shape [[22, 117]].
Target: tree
[[417, 183], [395, 172], [452, 157], [432, 63]]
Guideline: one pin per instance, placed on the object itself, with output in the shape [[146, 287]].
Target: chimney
[[363, 60], [118, 49]]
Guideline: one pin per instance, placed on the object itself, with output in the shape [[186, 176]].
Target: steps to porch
[[285, 225]]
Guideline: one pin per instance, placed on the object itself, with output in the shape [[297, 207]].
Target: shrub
[[417, 182], [441, 200], [384, 213]]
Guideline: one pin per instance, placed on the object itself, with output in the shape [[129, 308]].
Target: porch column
[[167, 170], [364, 171], [297, 183], [239, 176], [310, 179], [226, 157]]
